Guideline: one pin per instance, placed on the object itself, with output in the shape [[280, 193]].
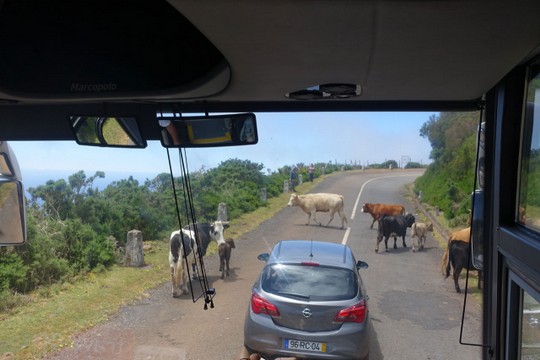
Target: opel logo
[[306, 312]]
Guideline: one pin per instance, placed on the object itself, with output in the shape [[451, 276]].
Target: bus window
[[530, 327], [528, 211]]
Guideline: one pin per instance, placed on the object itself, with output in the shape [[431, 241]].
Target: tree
[[449, 181]]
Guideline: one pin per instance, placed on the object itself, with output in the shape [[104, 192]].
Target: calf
[[224, 250], [459, 258], [393, 226], [311, 204], [182, 243], [418, 234]]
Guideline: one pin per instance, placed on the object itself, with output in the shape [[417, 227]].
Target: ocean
[[34, 178]]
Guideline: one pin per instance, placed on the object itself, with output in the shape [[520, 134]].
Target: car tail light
[[309, 263], [355, 313], [260, 305]]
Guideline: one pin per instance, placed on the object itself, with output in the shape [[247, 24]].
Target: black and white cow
[[205, 233], [393, 225], [181, 245], [459, 259]]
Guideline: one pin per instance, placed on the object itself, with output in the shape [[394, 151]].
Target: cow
[[459, 235], [224, 251], [206, 233], [378, 210], [393, 225], [460, 258], [320, 202], [181, 245], [418, 234]]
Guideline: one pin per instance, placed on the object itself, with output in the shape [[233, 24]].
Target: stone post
[[285, 186], [134, 249], [222, 212], [264, 195]]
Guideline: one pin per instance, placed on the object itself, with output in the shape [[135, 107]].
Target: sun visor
[[104, 49]]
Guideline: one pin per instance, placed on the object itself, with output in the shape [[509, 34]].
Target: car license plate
[[304, 345]]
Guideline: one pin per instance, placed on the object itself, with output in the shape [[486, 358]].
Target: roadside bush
[[10, 300], [12, 272], [100, 253], [274, 184]]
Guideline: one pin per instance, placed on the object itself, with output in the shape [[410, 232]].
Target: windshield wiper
[[295, 295]]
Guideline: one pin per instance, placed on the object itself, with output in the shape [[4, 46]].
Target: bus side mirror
[[477, 230], [477, 221], [12, 206]]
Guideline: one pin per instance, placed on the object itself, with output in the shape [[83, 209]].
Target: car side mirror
[[263, 257], [361, 264]]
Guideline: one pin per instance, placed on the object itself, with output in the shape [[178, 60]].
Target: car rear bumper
[[262, 335]]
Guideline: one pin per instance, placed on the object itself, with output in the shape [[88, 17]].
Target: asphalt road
[[415, 314]]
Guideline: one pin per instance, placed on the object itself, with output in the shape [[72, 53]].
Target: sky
[[284, 139]]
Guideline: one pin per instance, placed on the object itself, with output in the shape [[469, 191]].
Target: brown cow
[[378, 210], [460, 235]]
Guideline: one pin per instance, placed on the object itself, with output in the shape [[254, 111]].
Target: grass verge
[[49, 318]]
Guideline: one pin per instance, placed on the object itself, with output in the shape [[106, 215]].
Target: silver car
[[310, 302]]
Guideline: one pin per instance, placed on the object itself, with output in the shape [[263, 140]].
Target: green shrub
[[12, 272]]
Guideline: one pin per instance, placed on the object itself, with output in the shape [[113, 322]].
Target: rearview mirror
[[12, 207], [107, 131], [209, 130]]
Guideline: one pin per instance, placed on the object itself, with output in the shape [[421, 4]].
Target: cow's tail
[[380, 228], [342, 212], [445, 264]]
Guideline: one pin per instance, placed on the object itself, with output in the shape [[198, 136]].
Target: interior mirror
[[107, 131], [12, 206], [209, 130]]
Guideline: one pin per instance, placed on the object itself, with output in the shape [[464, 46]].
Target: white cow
[[418, 234], [320, 202], [182, 243]]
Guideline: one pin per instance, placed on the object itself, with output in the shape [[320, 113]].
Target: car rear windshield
[[316, 283]]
